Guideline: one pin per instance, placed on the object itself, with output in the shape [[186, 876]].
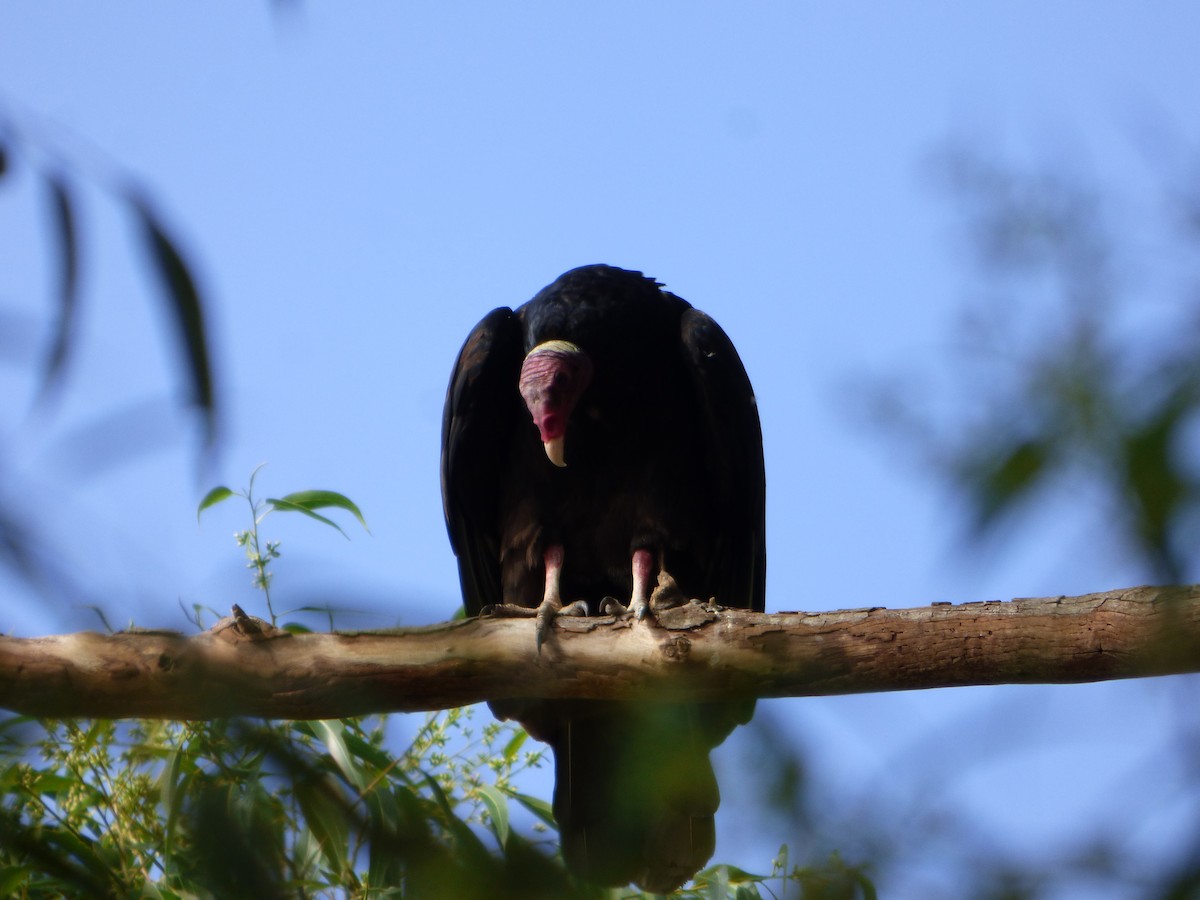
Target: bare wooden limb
[[696, 651]]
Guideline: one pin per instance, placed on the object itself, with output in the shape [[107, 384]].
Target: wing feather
[[733, 437], [482, 406]]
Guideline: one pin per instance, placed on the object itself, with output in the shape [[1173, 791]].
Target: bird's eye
[[560, 379]]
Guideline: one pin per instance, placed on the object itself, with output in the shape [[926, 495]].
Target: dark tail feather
[[635, 794]]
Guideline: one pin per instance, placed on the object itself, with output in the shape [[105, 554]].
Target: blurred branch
[[243, 666]]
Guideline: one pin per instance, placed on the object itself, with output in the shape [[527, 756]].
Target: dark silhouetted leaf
[[468, 845], [1006, 478], [185, 306], [67, 293], [1158, 488], [172, 787], [236, 840], [13, 877], [327, 820]]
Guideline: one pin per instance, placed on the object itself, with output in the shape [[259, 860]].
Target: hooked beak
[[554, 450]]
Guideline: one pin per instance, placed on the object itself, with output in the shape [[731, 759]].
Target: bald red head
[[553, 376]]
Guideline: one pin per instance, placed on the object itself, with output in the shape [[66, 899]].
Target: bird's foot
[[667, 595], [545, 613], [550, 609], [638, 607]]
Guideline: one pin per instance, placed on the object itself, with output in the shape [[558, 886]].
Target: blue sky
[[356, 186]]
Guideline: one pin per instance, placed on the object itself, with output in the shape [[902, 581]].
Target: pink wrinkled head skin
[[553, 376]]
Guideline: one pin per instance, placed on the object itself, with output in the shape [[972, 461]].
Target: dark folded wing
[[733, 439], [482, 407]]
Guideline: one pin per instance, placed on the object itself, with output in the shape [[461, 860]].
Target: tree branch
[[244, 667]]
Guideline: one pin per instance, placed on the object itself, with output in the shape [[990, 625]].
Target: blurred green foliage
[[237, 808], [1073, 374]]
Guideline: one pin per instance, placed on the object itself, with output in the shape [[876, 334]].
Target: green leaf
[[185, 305], [212, 498], [727, 874], [326, 819], [718, 884], [171, 788], [287, 506], [312, 500], [12, 878], [537, 806], [780, 862], [366, 751], [740, 876], [468, 844], [514, 745], [497, 807], [333, 735], [53, 783], [67, 293]]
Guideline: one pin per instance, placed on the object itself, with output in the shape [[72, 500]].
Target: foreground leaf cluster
[[238, 808], [301, 809]]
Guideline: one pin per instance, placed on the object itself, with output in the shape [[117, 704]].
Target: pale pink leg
[[639, 603], [643, 573], [552, 599], [553, 557]]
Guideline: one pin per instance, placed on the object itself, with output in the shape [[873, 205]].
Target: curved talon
[[611, 606], [550, 609], [545, 615], [638, 608]]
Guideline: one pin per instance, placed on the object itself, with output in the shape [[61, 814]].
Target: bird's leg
[[639, 603], [643, 574], [552, 605], [552, 597]]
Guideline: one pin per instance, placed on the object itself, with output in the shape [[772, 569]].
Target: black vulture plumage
[[602, 433]]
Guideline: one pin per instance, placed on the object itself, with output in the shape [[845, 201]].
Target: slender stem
[[262, 579]]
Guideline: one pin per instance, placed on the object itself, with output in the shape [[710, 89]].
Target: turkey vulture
[[599, 436]]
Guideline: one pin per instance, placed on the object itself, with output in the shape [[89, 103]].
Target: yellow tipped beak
[[554, 450]]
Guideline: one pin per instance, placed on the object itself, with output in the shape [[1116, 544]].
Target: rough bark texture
[[243, 667]]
